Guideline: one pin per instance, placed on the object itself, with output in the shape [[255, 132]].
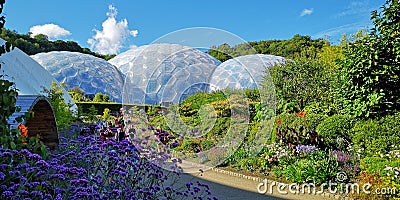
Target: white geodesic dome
[[164, 73], [244, 71], [30, 77], [89, 73]]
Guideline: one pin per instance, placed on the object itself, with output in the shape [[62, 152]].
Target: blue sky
[[112, 26]]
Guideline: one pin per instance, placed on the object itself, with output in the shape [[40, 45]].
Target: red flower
[[302, 113], [23, 130], [278, 122]]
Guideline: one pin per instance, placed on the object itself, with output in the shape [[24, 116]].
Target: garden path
[[233, 186]]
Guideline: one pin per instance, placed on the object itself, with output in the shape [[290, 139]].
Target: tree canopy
[[41, 43], [297, 46]]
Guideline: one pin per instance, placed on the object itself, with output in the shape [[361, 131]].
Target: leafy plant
[[334, 131], [62, 112], [8, 97], [377, 136], [371, 66]]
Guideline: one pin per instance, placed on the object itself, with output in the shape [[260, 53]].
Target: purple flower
[[196, 189], [23, 192], [58, 197], [7, 193], [144, 129], [37, 193], [174, 144], [43, 164], [306, 149], [57, 176], [2, 176], [40, 173], [77, 182], [6, 154], [117, 192]]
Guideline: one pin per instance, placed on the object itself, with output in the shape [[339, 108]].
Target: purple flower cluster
[[87, 168], [347, 162], [306, 149]]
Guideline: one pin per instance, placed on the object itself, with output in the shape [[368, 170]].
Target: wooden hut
[[42, 123]]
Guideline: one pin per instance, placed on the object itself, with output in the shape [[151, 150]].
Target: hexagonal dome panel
[[29, 76], [243, 72], [89, 73], [164, 73]]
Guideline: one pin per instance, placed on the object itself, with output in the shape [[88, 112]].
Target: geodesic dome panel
[[30, 77], [243, 72], [89, 73], [164, 73]]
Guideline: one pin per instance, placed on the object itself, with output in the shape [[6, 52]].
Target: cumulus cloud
[[306, 12], [53, 31], [111, 39]]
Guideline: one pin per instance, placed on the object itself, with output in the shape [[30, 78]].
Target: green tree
[[100, 97], [301, 82], [106, 114], [77, 94], [62, 111], [92, 115], [371, 66]]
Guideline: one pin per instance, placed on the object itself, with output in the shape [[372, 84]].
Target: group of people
[[113, 129]]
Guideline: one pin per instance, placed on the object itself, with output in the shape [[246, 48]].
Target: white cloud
[[336, 32], [306, 12], [53, 31], [111, 39], [356, 8]]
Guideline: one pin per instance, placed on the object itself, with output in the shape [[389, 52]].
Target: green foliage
[[106, 114], [77, 94], [377, 136], [316, 168], [8, 97], [300, 83], [99, 97], [292, 129], [41, 43], [62, 112], [196, 101], [376, 165], [334, 131], [298, 46], [371, 66], [92, 115], [191, 145], [100, 106]]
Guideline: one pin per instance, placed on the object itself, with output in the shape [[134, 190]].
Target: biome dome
[[89, 73], [243, 72], [30, 77], [164, 73]]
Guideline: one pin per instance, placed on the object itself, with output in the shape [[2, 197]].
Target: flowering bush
[[86, 168]]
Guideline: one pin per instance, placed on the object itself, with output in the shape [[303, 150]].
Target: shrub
[[385, 170], [297, 128], [316, 168], [191, 145], [334, 131], [377, 136]]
